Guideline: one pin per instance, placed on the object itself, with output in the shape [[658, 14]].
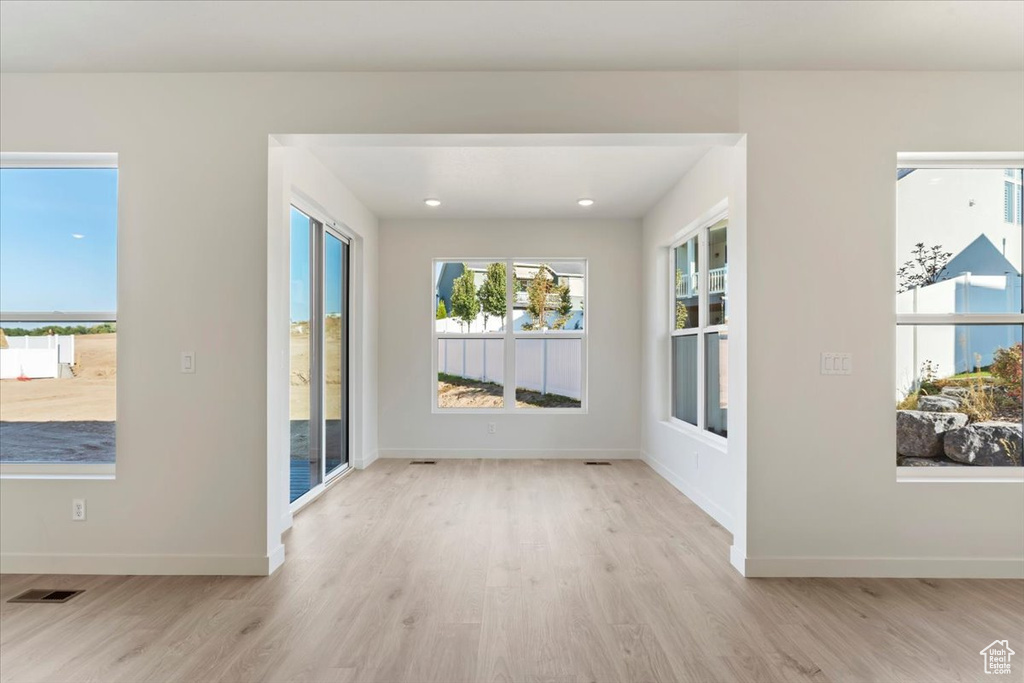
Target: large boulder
[[958, 392], [938, 404], [919, 433], [994, 444]]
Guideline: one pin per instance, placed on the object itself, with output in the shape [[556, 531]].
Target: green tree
[[538, 300], [442, 312], [563, 307], [465, 305], [681, 313], [492, 292], [927, 266]]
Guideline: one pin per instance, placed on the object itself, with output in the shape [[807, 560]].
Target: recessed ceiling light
[[432, 202], [585, 202]]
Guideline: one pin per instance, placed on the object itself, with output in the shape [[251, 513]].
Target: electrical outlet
[[78, 510], [492, 428]]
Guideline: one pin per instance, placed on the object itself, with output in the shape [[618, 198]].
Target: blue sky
[[58, 239], [299, 259]]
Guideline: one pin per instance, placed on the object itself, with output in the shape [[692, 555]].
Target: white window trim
[[965, 473], [509, 336], [58, 160], [59, 470], [698, 229]]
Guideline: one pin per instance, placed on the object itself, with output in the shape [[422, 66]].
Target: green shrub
[[1006, 367]]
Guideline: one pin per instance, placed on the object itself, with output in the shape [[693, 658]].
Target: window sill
[[967, 473], [719, 443], [505, 411], [58, 471]]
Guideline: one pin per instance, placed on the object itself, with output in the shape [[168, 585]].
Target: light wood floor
[[507, 571]]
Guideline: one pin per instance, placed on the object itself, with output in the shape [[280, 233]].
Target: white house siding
[[951, 207]]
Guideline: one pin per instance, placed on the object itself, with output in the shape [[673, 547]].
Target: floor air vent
[[423, 462], [44, 595], [596, 462]]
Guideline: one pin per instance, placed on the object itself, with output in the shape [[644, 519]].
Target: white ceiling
[[508, 176], [202, 35]]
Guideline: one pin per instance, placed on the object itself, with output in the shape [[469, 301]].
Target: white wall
[[297, 176], [611, 427], [700, 467], [192, 486], [822, 491]]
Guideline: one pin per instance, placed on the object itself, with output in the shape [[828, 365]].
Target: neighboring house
[[975, 214], [569, 273]]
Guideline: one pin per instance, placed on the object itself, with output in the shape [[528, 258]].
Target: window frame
[[509, 336], [1015, 207], [699, 229], [939, 161], [60, 161]]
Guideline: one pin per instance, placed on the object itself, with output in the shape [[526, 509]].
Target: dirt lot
[[458, 392], [299, 399]]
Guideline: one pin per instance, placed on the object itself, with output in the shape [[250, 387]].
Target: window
[[510, 318], [1012, 196], [58, 309], [959, 316], [699, 353]]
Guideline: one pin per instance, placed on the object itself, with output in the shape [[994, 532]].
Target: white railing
[[718, 282], [718, 279], [523, 298]]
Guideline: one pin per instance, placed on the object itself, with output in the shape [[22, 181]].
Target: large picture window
[[497, 320], [699, 319], [959, 315], [58, 309]]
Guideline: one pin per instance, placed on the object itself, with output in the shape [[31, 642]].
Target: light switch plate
[[188, 362], [833, 363]]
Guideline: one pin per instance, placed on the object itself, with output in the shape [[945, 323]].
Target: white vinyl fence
[[954, 348], [550, 366], [31, 363], [36, 357], [480, 359]]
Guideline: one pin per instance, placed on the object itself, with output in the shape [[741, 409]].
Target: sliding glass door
[[335, 355], [319, 324]]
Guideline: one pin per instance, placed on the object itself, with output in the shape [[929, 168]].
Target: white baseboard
[[203, 565], [275, 559], [511, 453], [886, 567], [738, 560], [366, 461], [687, 489]]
